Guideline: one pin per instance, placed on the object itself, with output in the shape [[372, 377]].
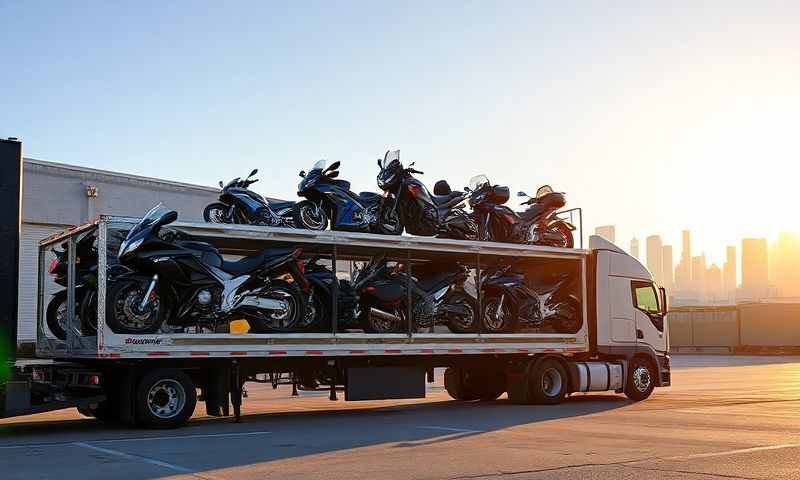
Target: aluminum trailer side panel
[[240, 238]]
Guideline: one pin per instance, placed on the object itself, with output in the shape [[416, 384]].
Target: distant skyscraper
[[607, 232], [666, 267], [635, 247], [729, 272], [699, 275], [784, 268], [755, 270], [683, 273], [714, 283], [654, 257]]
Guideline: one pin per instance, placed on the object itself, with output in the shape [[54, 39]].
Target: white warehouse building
[[57, 196]]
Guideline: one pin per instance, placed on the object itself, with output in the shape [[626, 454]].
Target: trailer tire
[[456, 386], [473, 384], [641, 379], [165, 398], [548, 382]]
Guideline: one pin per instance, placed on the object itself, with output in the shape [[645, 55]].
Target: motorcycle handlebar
[[411, 170]]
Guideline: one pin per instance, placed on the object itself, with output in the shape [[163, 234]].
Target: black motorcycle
[[437, 296], [318, 303], [421, 212], [329, 199], [509, 305], [189, 283], [85, 282], [538, 225], [239, 204]]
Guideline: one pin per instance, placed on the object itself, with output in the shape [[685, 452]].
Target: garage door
[[28, 286]]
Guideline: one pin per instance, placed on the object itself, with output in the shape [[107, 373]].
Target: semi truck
[[619, 341]]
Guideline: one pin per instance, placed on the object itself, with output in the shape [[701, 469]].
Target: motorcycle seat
[[280, 204], [443, 199], [253, 262], [534, 212]]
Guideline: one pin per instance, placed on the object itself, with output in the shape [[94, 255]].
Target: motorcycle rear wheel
[[216, 213], [457, 324], [566, 235], [288, 321]]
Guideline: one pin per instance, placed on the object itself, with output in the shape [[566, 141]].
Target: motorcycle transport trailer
[[618, 341]]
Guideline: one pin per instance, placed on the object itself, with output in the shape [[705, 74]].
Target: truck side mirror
[[664, 307]]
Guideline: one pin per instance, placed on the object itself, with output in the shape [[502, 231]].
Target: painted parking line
[[449, 429], [136, 458], [734, 452], [138, 439]]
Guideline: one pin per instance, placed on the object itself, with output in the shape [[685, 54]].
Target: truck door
[[616, 321]]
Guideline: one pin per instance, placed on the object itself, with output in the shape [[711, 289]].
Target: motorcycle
[[318, 304], [509, 305], [189, 283], [538, 225], [239, 204], [422, 213], [85, 282], [329, 199], [437, 296]]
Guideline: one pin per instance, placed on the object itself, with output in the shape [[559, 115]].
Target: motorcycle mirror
[[255, 170], [334, 166], [220, 183], [168, 218], [379, 163], [333, 174], [302, 173], [411, 164], [522, 194]]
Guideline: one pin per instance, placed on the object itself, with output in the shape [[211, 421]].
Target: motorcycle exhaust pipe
[[383, 315]]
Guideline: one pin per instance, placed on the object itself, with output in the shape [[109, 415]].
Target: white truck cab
[[630, 312]]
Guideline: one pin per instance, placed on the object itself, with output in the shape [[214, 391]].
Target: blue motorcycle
[[329, 199]]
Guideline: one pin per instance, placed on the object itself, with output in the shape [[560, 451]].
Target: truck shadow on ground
[[218, 443]]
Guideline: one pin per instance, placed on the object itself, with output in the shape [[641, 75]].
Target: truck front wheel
[[641, 379], [165, 398]]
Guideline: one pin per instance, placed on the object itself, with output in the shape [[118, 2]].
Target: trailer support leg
[[332, 396], [236, 392]]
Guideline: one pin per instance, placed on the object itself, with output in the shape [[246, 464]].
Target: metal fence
[[745, 326]]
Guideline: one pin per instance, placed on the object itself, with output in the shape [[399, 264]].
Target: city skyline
[[752, 268]]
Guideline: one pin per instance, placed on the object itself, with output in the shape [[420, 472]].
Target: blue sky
[[649, 116]]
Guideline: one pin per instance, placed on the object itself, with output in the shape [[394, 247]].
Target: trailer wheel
[[548, 382], [165, 398], [641, 379], [472, 384]]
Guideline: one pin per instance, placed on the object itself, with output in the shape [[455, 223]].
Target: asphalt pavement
[[723, 418]]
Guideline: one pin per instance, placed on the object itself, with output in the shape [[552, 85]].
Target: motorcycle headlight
[[129, 247]]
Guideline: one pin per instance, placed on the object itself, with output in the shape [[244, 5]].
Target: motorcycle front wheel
[[288, 319], [123, 307], [498, 317], [216, 213], [309, 215]]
